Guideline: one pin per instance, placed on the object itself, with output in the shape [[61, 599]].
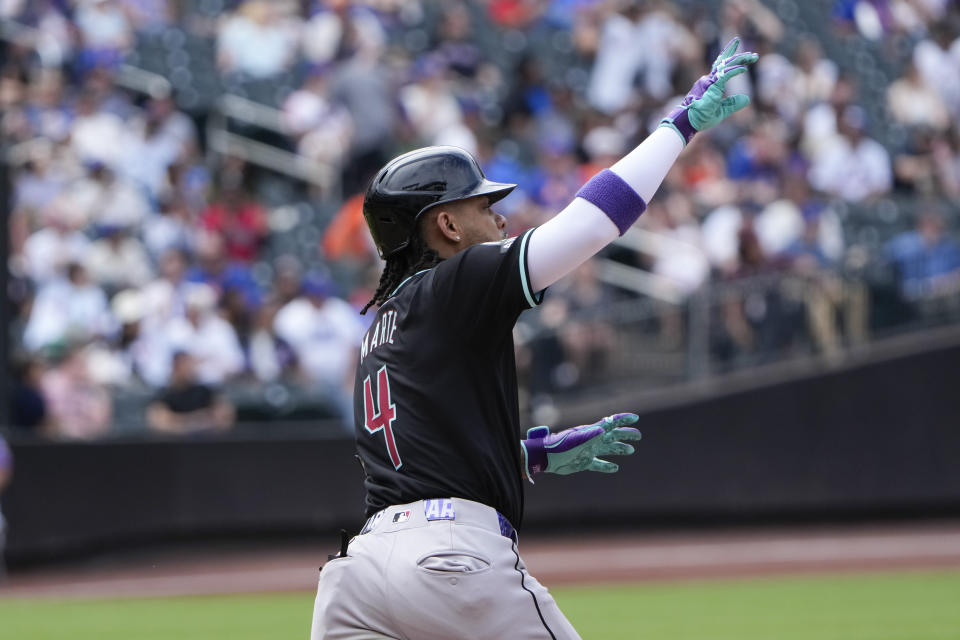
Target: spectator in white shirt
[[104, 30], [684, 262], [103, 25], [109, 199], [341, 26], [41, 180], [853, 167], [54, 37], [616, 63], [781, 223], [913, 102], [815, 75], [323, 127], [820, 121], [130, 355], [71, 308], [165, 297], [255, 41], [206, 336], [720, 237], [96, 134], [117, 260], [154, 142], [430, 102], [324, 332], [938, 61], [47, 251], [668, 44]]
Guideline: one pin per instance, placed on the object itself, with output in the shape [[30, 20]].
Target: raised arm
[[610, 202]]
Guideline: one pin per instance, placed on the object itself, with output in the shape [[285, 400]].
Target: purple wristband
[[614, 197]]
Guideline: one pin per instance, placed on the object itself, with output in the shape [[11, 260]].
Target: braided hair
[[415, 257]]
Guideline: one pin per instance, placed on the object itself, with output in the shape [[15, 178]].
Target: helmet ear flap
[[390, 234]]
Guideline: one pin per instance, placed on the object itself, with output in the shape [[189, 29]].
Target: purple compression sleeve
[[612, 195]]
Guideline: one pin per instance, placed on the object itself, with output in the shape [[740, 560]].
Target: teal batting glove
[[705, 106], [576, 449]]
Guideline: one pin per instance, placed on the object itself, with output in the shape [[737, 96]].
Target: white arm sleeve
[[571, 237]]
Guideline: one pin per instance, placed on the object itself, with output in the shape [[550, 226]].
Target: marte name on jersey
[[380, 333]]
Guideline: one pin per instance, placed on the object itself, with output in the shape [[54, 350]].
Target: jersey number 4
[[380, 417]]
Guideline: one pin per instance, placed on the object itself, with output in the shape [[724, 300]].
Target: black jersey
[[435, 400]]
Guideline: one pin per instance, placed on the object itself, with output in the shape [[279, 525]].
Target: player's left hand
[[578, 448], [705, 106]]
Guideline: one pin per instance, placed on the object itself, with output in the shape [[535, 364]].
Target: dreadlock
[[415, 257]]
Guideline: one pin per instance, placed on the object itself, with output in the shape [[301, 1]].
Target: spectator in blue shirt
[[927, 260], [807, 250]]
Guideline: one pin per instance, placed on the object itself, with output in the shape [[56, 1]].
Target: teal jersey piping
[[532, 300], [407, 280]]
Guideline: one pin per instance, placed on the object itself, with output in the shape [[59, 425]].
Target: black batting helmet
[[410, 184]]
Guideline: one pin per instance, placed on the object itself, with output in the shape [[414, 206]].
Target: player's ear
[[448, 226]]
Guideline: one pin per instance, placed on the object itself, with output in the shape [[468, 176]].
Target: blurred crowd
[[139, 261]]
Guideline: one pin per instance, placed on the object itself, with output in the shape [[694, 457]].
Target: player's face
[[480, 223]]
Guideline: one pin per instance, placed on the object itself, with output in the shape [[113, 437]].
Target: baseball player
[[435, 400]]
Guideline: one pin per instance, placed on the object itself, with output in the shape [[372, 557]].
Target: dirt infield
[[584, 560]]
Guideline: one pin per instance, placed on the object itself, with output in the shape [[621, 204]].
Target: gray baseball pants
[[435, 569]]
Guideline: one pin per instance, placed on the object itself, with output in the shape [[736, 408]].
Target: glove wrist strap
[[679, 121], [535, 454]]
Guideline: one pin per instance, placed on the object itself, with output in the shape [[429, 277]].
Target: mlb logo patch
[[401, 516], [439, 509]]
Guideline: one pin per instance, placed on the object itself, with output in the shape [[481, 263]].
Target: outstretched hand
[[579, 448], [705, 106]]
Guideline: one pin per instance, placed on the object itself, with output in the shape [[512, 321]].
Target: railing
[[568, 354], [638, 280], [246, 112], [223, 142]]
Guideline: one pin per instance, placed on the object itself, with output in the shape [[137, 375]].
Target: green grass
[[896, 606], [864, 607]]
